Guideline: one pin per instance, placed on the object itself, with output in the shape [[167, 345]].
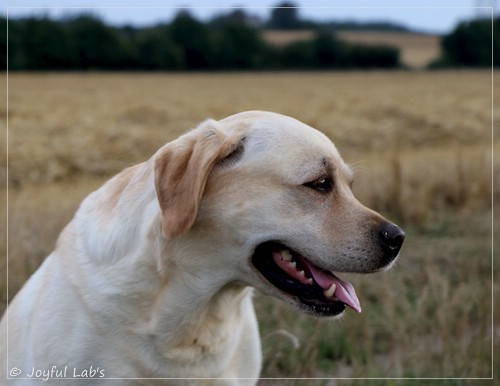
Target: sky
[[433, 16]]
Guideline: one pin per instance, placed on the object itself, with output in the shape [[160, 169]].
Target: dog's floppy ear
[[181, 172]]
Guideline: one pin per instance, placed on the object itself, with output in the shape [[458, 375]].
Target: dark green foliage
[[325, 51], [381, 56], [94, 44], [228, 42], [193, 40], [298, 55], [154, 50], [284, 16], [240, 47], [40, 44], [329, 52], [3, 43], [470, 45]]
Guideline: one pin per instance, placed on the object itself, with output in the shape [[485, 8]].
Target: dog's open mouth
[[319, 291]]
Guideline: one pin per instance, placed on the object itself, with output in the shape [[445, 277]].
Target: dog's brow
[[330, 166]]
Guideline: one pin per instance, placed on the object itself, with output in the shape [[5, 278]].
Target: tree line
[[474, 43], [228, 42], [232, 41]]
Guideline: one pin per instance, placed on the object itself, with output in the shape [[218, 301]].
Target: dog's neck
[[196, 324], [190, 310], [189, 313]]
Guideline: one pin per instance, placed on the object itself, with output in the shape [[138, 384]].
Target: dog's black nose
[[391, 238]]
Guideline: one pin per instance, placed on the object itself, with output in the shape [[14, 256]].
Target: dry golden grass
[[425, 138], [421, 145], [417, 50], [60, 125]]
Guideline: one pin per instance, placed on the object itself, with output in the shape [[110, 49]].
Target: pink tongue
[[344, 292]]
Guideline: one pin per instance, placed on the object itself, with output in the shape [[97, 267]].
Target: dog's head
[[273, 198]]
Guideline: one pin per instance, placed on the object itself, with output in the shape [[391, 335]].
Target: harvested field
[[421, 144]]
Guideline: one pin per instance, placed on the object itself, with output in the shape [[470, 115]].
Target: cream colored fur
[[152, 278]]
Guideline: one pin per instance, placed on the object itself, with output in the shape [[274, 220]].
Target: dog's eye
[[323, 185]]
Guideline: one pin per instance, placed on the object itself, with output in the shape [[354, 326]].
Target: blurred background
[[405, 91], [122, 36]]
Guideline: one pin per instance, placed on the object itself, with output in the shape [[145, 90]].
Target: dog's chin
[[298, 281]]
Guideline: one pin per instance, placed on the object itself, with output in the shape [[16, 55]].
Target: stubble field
[[421, 145]]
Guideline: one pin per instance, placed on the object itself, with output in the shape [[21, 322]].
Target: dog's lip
[[297, 276], [342, 290]]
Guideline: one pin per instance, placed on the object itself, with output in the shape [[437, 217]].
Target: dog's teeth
[[309, 280], [330, 291], [301, 273], [293, 264], [286, 255]]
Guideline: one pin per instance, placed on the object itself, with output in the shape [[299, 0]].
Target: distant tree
[[325, 51], [239, 46], [297, 55], [237, 16], [329, 52], [470, 44], [154, 50], [3, 43], [97, 46], [85, 42], [285, 16], [377, 56], [193, 39], [46, 44]]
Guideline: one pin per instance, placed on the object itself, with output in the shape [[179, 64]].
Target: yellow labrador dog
[[152, 278]]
